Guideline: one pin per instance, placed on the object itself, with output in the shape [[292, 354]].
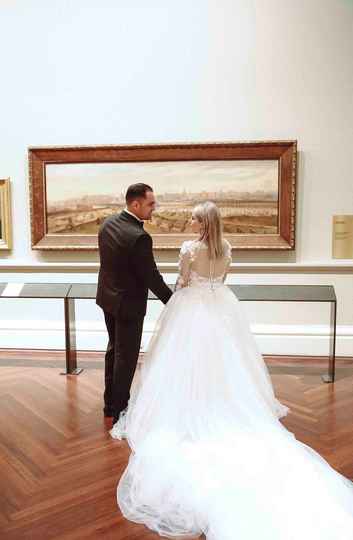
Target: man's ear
[[134, 205]]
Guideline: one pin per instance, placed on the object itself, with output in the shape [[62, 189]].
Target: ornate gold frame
[[285, 152], [5, 215]]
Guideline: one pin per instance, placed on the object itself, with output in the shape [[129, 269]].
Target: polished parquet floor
[[59, 467]]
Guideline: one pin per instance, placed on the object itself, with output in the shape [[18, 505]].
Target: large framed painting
[[73, 189]]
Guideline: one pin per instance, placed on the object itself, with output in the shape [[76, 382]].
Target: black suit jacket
[[127, 268]]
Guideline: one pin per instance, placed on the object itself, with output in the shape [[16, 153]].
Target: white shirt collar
[[131, 214]]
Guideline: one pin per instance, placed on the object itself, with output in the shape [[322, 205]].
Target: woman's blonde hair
[[209, 216]]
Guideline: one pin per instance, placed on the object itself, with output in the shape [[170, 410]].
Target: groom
[[127, 271]]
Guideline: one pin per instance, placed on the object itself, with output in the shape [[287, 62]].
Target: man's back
[[116, 239], [127, 267]]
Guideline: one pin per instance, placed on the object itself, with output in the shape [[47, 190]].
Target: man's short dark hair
[[136, 191]]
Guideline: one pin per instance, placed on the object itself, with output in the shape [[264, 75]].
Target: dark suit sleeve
[[146, 271]]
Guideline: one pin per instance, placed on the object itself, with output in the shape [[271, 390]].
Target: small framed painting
[[5, 215]]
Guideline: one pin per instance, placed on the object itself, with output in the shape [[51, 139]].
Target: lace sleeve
[[184, 266], [228, 256]]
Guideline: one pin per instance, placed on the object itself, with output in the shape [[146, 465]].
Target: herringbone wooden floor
[[59, 467]]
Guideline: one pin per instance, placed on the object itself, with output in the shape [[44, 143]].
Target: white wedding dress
[[209, 454]]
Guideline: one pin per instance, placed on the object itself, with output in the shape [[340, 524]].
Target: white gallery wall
[[89, 72]]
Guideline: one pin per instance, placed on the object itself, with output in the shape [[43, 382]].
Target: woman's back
[[202, 264], [195, 263]]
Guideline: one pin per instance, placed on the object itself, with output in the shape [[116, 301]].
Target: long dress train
[[209, 454]]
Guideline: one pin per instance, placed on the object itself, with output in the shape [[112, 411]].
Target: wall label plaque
[[342, 237]]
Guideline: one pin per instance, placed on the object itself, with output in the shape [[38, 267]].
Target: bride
[[208, 452]]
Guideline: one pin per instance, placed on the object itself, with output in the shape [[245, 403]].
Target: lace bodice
[[196, 268]]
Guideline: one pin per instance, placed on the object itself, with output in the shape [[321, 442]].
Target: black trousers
[[120, 361]]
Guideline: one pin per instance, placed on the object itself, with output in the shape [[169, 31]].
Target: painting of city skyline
[[73, 189], [79, 196]]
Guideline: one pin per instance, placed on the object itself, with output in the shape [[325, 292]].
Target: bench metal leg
[[330, 376], [70, 338]]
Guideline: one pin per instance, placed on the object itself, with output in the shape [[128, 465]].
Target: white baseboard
[[301, 340]]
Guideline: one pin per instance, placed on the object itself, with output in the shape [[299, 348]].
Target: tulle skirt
[[209, 454]]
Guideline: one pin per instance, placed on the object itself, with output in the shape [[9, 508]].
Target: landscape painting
[[74, 189], [81, 196]]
